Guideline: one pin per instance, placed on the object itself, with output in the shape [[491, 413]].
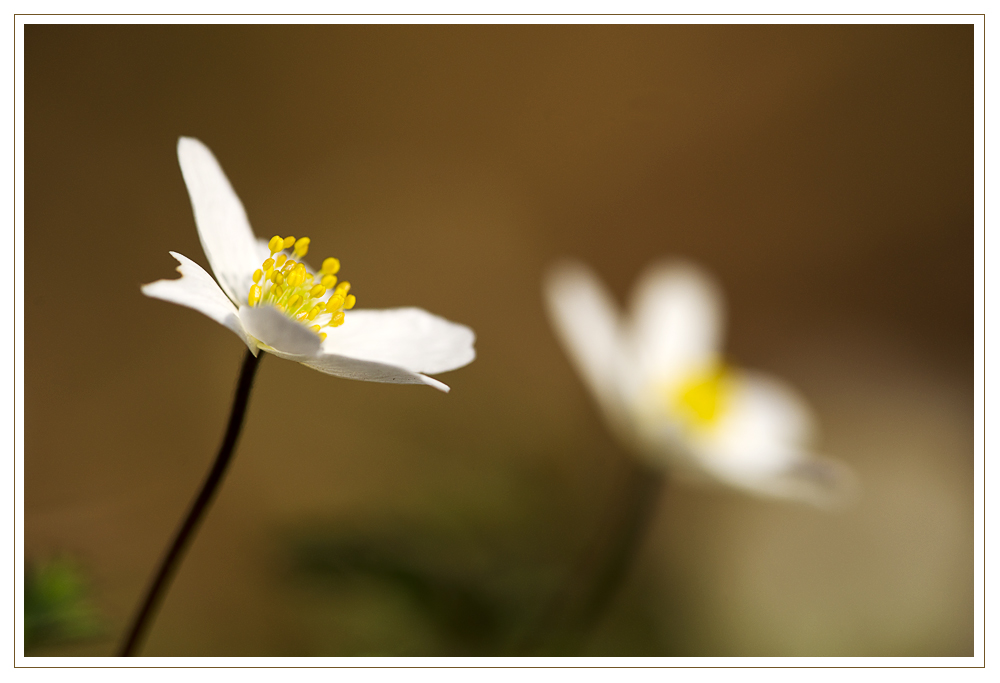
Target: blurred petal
[[225, 232], [196, 289], [272, 327], [369, 371], [676, 323], [761, 445], [409, 338], [823, 482], [763, 429], [586, 320]]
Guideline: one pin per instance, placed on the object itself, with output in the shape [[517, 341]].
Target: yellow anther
[[322, 336], [257, 275], [294, 301], [280, 261], [343, 288], [316, 310], [278, 278], [280, 307], [278, 290], [318, 290], [268, 264], [330, 266], [254, 295], [314, 328], [337, 320], [295, 278], [302, 246], [703, 396], [328, 281], [334, 304], [276, 244], [289, 241], [350, 301]]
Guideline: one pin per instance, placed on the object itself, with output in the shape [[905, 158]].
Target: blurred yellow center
[[316, 300], [701, 398]]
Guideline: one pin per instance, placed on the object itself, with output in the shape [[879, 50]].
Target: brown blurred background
[[823, 173]]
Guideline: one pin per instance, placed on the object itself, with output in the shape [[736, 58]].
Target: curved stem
[[198, 508], [599, 575], [644, 490]]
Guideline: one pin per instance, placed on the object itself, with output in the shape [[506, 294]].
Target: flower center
[[702, 397], [314, 299]]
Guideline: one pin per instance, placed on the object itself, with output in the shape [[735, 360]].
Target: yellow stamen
[[286, 284], [334, 304], [703, 396], [322, 336]]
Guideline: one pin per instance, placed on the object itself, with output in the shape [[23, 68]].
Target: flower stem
[[590, 589], [169, 565], [644, 489]]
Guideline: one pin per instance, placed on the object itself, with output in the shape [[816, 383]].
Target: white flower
[[664, 389], [277, 304]]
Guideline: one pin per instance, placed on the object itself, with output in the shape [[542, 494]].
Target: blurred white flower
[[660, 380], [278, 304]]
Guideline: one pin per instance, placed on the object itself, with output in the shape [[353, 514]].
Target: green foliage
[[465, 614], [56, 604]]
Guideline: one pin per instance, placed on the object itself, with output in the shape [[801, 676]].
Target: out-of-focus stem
[[600, 573]]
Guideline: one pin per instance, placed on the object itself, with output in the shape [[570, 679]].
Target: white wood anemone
[[659, 378], [278, 304]]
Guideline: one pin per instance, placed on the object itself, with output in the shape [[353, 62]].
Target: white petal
[[762, 445], [586, 320], [409, 338], [763, 430], [196, 289], [676, 321], [275, 329], [369, 371], [226, 236]]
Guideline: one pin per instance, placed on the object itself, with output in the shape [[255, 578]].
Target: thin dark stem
[[644, 489], [600, 573], [169, 565]]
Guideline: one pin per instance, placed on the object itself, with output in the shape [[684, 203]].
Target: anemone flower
[[660, 380], [273, 301]]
